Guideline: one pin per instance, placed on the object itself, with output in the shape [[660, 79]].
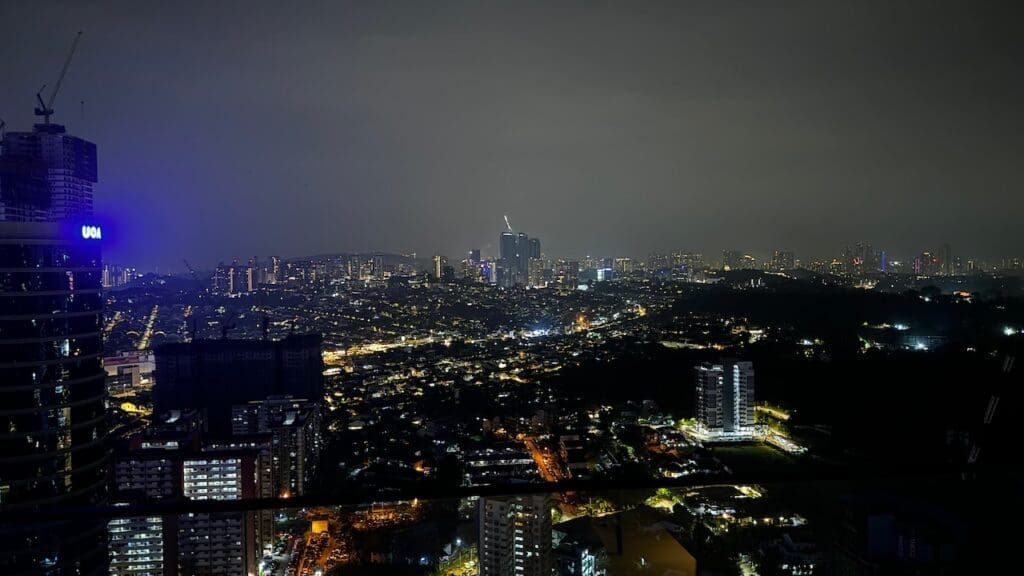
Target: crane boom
[[46, 110], [195, 277], [507, 225]]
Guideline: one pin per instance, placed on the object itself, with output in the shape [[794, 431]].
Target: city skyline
[[543, 289], [407, 129]]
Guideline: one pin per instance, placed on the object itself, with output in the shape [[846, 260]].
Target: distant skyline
[[609, 128]]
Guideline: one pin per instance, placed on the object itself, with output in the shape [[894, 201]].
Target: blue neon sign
[[92, 232]]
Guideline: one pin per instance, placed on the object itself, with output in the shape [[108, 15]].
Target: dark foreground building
[[52, 420], [215, 375]]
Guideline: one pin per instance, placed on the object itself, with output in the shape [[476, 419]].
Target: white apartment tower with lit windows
[[515, 536], [725, 398]]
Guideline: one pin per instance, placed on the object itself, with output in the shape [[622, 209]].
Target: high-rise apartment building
[[222, 543], [725, 397], [540, 273], [294, 427], [148, 471], [170, 461], [52, 392], [46, 175], [234, 278], [439, 263], [515, 536], [658, 261], [567, 273], [276, 272]]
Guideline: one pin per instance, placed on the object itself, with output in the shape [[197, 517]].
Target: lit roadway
[[112, 323], [776, 413], [332, 357], [148, 333], [552, 470]]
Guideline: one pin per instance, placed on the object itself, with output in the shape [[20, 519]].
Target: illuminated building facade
[[294, 427], [515, 536], [52, 394], [223, 543], [782, 260], [516, 253], [725, 398]]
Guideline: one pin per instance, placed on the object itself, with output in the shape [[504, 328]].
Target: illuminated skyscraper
[[251, 275], [507, 245], [52, 395], [725, 397], [52, 392], [275, 270], [523, 253], [567, 273], [534, 249], [508, 258], [439, 263], [515, 536], [657, 261], [540, 273], [516, 250], [782, 260], [294, 426], [170, 461], [224, 543]]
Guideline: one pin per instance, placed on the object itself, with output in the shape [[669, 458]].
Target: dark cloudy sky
[[612, 128]]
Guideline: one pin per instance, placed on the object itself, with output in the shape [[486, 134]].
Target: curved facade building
[[52, 398]]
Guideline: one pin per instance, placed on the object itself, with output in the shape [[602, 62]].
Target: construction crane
[[45, 109], [195, 277], [507, 225]]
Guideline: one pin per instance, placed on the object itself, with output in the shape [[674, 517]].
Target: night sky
[[610, 128]]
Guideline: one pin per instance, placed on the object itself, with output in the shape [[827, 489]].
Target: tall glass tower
[[52, 417], [53, 453]]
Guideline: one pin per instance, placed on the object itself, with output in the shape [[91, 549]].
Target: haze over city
[[605, 288], [234, 129]]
